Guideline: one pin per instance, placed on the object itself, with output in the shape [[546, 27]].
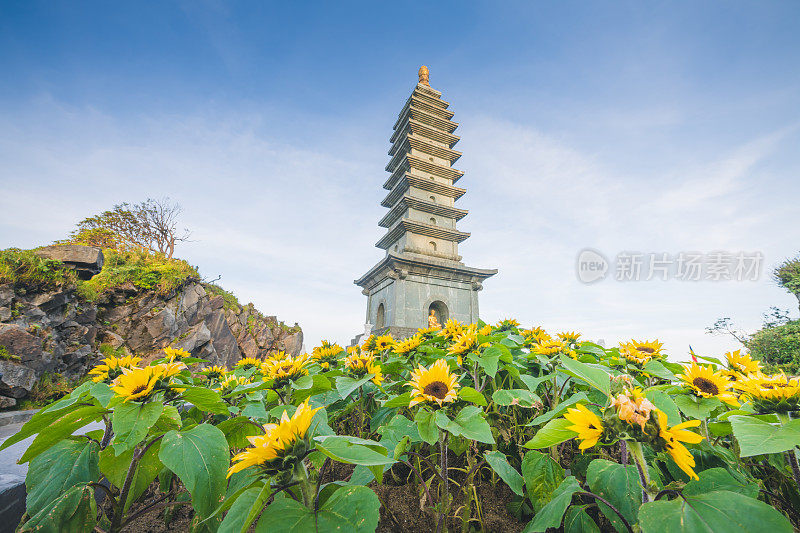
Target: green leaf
[[72, 511], [595, 376], [561, 408], [468, 394], [665, 403], [426, 425], [52, 430], [551, 514], [758, 437], [345, 385], [399, 401], [619, 484], [470, 423], [554, 432], [200, 458], [533, 382], [489, 359], [499, 463], [53, 472], [353, 450], [714, 512], [695, 407], [245, 509], [170, 419], [715, 479], [132, 421], [102, 392], [320, 384], [206, 400], [237, 430], [115, 468], [578, 521], [542, 476], [521, 397], [351, 509], [655, 368]]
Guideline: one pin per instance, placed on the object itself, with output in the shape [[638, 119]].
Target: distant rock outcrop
[[57, 331], [86, 261]]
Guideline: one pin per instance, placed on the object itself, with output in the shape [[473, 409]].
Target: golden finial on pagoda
[[424, 75]]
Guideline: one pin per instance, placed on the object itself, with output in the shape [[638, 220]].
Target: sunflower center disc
[[645, 349], [706, 386], [437, 389], [140, 388]]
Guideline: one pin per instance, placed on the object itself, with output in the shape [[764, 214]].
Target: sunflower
[[586, 424], [549, 347], [277, 355], [485, 330], [407, 345], [230, 382], [175, 353], [535, 336], [569, 337], [633, 408], [136, 383], [641, 351], [287, 370], [771, 394], [428, 331], [364, 363], [507, 324], [465, 341], [369, 344], [673, 437], [452, 328], [707, 383], [246, 363], [168, 370], [435, 384], [214, 372], [270, 451], [111, 368], [326, 355], [742, 363], [384, 342]]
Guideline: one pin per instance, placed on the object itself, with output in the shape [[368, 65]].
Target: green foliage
[[25, 270], [230, 301], [50, 387], [787, 274], [144, 270], [778, 347], [6, 355]]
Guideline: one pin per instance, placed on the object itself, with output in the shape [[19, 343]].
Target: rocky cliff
[[59, 331]]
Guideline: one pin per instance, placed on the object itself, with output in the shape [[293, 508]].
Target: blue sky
[[653, 127]]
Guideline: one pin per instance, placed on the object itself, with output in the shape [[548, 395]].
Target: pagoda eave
[[398, 265]]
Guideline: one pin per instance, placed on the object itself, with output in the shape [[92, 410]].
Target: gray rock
[[109, 337], [223, 340], [6, 402], [12, 496], [5, 314], [294, 343], [19, 342], [50, 300], [85, 260], [198, 336], [17, 380], [6, 294]]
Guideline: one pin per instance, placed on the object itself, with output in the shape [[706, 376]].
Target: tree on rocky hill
[[787, 275], [150, 225]]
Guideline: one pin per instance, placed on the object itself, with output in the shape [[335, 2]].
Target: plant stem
[[641, 465], [301, 476], [445, 496], [791, 455]]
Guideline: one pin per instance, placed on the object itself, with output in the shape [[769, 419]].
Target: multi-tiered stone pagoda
[[422, 271]]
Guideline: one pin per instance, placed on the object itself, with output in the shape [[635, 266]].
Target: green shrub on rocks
[[25, 270]]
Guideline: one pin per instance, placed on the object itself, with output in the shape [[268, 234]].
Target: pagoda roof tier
[[425, 104], [418, 128], [406, 263], [407, 201], [406, 162], [420, 115], [430, 91], [426, 184], [423, 145], [430, 99], [420, 228]]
